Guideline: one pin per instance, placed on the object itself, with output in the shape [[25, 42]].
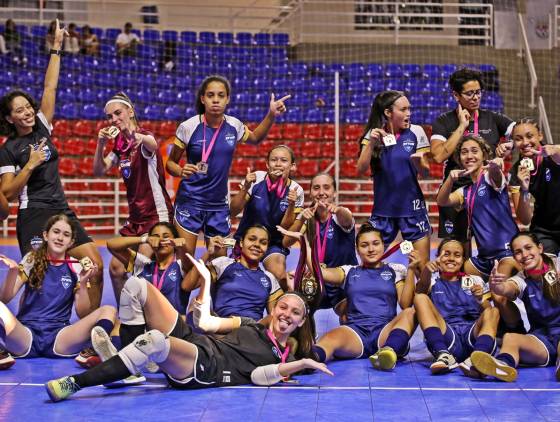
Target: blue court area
[[356, 392]]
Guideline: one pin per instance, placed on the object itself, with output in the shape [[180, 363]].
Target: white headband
[[117, 100], [299, 297]]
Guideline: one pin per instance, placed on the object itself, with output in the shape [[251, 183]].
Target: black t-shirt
[[44, 188], [238, 353], [545, 188], [491, 126]]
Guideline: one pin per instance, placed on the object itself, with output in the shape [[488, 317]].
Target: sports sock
[[109, 371], [435, 339], [507, 359], [106, 324], [319, 353], [397, 340], [484, 343]]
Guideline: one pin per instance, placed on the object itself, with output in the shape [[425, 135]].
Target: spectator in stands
[[209, 140], [537, 172], [393, 149], [127, 41], [72, 41], [49, 39], [448, 129], [29, 168], [136, 154], [169, 55], [10, 42], [89, 42]]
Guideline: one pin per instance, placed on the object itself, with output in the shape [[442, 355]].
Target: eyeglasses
[[473, 93]]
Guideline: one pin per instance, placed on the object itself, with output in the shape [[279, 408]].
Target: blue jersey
[[167, 281], [266, 208], [372, 293], [52, 303], [208, 192], [455, 305], [240, 291], [396, 191], [492, 223], [542, 313]]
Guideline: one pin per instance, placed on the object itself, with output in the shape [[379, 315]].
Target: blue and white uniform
[[240, 291], [372, 301], [398, 202], [492, 223], [265, 207], [46, 311], [202, 201], [460, 310], [168, 281], [542, 313]]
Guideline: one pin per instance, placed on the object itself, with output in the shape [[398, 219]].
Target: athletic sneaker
[[469, 370], [135, 379], [445, 362], [558, 370], [88, 358], [101, 342], [6, 360], [489, 365], [384, 359], [61, 388]]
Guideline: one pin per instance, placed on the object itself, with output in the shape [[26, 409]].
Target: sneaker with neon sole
[[489, 365], [61, 389], [384, 359]]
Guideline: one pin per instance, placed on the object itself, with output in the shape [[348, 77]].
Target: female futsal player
[[538, 288], [270, 198], [209, 140], [29, 168], [453, 311], [537, 172], [394, 149], [53, 282], [240, 288], [136, 153], [373, 290], [251, 353]]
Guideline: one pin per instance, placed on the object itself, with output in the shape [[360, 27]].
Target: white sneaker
[[102, 344], [469, 370], [489, 365], [445, 362]]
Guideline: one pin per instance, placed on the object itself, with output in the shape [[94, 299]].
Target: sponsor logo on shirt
[[547, 175], [448, 226], [230, 139], [66, 281], [276, 352], [124, 167], [408, 145], [386, 275], [265, 282]]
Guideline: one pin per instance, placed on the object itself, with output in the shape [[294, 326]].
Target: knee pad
[[153, 345], [133, 298]]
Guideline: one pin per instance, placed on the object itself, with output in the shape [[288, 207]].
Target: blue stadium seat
[[153, 112], [185, 97], [354, 115], [170, 36], [66, 95], [87, 95], [104, 94], [356, 70], [393, 70], [414, 86], [395, 83], [184, 51], [223, 53], [280, 39], [188, 37], [151, 35], [431, 71], [281, 85], [263, 39], [22, 30], [278, 54], [98, 32], [242, 98], [244, 38], [337, 67], [447, 70], [111, 34], [207, 37], [91, 112], [225, 38], [68, 111], [39, 31], [166, 96], [314, 115], [173, 112], [297, 69], [411, 70], [242, 83], [374, 70]]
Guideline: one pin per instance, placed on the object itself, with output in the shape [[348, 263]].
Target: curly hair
[[40, 256], [7, 128], [487, 152]]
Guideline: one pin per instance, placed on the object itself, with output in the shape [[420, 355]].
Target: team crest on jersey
[[36, 242], [482, 190], [284, 205], [173, 275], [265, 282], [230, 139], [330, 233], [547, 175], [124, 166], [386, 275], [66, 281], [448, 226], [408, 145]]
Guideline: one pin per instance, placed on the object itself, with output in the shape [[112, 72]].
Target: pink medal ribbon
[[322, 243], [157, 281], [129, 142], [278, 186], [471, 196], [475, 126], [448, 275], [539, 161], [284, 355], [542, 271], [206, 152], [66, 260]]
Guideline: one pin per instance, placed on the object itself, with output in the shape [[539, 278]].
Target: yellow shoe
[[384, 359], [61, 388], [489, 365]]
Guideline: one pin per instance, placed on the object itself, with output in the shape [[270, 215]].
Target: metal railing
[[525, 52], [543, 122], [555, 27]]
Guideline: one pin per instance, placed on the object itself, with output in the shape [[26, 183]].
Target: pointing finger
[[287, 97], [272, 97]]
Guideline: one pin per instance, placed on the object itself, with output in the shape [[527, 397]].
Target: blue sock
[[484, 343], [2, 332], [106, 324], [397, 340], [319, 352], [507, 359], [435, 339]]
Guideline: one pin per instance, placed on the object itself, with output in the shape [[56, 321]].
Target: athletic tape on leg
[[133, 298]]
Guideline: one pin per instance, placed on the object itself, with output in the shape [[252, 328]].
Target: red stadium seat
[[100, 124], [350, 150], [307, 167], [62, 128], [247, 150], [313, 131], [328, 132], [239, 166], [292, 131], [101, 186], [74, 146], [275, 132], [84, 128], [436, 170], [348, 168], [85, 167], [150, 126], [68, 167], [91, 146], [353, 132], [167, 129], [311, 149], [266, 146]]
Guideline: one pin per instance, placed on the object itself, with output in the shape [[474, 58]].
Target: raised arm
[[120, 246], [193, 278], [367, 144], [441, 150], [445, 196], [51, 77], [501, 285], [277, 107], [101, 164], [521, 197], [81, 297], [238, 202], [12, 282], [425, 280]]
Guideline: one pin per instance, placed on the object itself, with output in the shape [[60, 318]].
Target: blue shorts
[[332, 297], [369, 336], [412, 228], [272, 249], [211, 223], [43, 340], [460, 340], [485, 264], [550, 343]]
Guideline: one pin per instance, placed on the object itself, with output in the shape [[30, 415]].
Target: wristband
[[144, 238], [57, 52]]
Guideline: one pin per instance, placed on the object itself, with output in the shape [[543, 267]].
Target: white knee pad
[[153, 345], [133, 298]]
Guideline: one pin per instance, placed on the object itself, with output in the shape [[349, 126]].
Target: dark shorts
[[550, 342], [453, 223], [412, 228], [272, 249], [205, 371], [485, 264], [31, 223], [369, 336], [43, 341], [460, 340], [211, 223], [550, 239], [138, 229]]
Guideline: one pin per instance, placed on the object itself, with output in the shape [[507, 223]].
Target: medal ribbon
[[542, 271], [475, 126], [284, 355], [471, 196], [206, 152], [279, 186], [322, 243], [157, 281], [449, 275]]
